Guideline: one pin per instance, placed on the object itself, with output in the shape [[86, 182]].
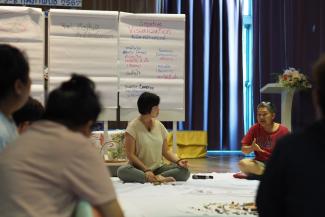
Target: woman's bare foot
[[163, 179]]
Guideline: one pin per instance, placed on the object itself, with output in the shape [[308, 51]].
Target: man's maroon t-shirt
[[264, 139]]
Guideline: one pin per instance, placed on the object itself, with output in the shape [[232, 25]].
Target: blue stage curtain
[[214, 80], [287, 33]]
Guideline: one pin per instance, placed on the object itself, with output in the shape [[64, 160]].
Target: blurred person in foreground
[[15, 86], [51, 167], [32, 111]]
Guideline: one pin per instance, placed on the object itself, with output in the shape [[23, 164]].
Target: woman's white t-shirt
[[148, 144]]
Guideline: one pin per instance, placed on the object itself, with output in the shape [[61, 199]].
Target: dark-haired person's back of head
[[14, 89], [74, 104], [32, 111]]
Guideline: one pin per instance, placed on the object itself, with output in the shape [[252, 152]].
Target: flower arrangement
[[292, 78], [113, 147]]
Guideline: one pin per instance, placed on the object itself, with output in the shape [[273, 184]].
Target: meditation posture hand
[[183, 163], [150, 177]]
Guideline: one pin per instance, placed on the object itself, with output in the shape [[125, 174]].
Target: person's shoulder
[[311, 135], [317, 125], [5, 121], [134, 123], [314, 131], [46, 128], [160, 124], [255, 126], [134, 127], [283, 127]]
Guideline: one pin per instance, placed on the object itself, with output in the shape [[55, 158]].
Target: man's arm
[[246, 149]]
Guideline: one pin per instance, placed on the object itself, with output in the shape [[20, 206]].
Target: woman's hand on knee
[[182, 163], [150, 176]]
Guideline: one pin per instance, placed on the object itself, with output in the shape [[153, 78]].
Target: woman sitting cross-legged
[[146, 145]]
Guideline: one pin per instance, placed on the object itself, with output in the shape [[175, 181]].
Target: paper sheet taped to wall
[[151, 54], [23, 27], [83, 41]]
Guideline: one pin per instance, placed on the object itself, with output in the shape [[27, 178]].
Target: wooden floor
[[218, 164]]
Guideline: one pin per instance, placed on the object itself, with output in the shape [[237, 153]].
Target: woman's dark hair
[[32, 111], [270, 107], [146, 101], [74, 103], [13, 66]]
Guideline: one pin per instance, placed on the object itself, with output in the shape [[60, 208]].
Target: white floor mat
[[196, 197]]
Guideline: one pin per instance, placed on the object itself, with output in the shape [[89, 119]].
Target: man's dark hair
[[319, 81], [32, 111], [74, 103], [13, 66], [268, 105], [146, 101]]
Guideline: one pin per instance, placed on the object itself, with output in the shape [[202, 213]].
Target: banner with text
[[56, 3], [152, 58]]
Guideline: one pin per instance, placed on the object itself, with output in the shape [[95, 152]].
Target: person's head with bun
[[74, 104]]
